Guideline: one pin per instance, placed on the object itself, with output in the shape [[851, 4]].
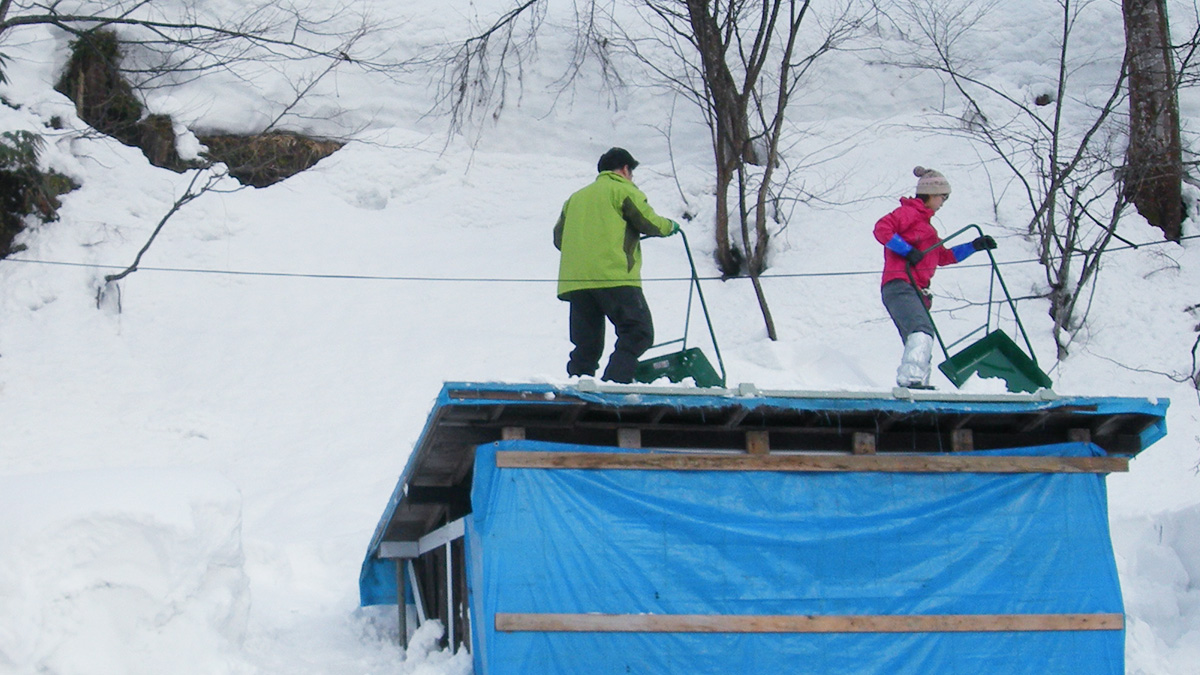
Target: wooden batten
[[739, 623], [893, 463]]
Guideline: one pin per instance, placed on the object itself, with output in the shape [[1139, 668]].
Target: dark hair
[[614, 159]]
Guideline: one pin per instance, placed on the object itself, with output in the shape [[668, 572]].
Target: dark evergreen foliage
[[24, 189]]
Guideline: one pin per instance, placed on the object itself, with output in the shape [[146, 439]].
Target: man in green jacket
[[600, 272]]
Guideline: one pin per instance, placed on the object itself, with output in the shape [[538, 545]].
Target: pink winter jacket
[[911, 222]]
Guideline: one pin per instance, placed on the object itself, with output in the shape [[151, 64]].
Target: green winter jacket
[[599, 233]]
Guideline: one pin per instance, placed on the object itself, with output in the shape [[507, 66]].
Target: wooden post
[[418, 596], [1079, 435], [758, 442], [629, 438], [450, 597], [463, 613], [962, 440], [864, 443], [401, 602], [512, 434]]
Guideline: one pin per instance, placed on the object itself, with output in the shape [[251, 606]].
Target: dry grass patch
[[265, 159]]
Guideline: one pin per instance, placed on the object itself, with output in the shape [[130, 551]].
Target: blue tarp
[[772, 543]]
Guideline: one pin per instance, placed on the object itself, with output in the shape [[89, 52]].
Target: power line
[[510, 280]]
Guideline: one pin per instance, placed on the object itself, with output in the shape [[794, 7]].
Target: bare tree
[[143, 45], [479, 73], [741, 62], [260, 32], [165, 46], [476, 72], [1069, 175]]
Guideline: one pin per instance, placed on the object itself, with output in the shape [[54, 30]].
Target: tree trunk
[[762, 305], [728, 123], [729, 104], [727, 261], [1154, 165]]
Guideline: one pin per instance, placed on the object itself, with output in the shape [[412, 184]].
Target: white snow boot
[[914, 365]]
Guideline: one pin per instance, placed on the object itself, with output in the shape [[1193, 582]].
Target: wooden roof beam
[[1035, 421], [1109, 426], [736, 417], [888, 421]]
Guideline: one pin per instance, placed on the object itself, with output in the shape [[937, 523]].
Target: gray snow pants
[[908, 311]]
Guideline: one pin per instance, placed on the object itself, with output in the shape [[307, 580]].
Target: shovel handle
[[1012, 305]]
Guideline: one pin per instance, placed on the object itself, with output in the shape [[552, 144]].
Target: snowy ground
[[191, 468]]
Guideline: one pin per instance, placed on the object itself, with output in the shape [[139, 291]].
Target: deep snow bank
[[1158, 558], [121, 571]]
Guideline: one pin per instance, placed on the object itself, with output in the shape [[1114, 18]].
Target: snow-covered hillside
[[191, 468]]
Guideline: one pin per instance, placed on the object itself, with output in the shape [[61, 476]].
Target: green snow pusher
[[687, 362], [995, 354]]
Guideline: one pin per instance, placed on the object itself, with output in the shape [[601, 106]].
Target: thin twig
[[188, 196]]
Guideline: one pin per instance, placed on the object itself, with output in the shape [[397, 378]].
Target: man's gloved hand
[[674, 228], [914, 256], [984, 242]]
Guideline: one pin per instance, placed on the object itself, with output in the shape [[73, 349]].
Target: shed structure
[[594, 529]]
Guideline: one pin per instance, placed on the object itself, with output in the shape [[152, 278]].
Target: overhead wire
[[517, 280]]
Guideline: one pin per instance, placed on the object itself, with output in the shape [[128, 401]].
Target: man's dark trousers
[[626, 308]]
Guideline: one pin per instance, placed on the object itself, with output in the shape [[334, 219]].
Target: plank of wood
[[882, 463], [717, 623]]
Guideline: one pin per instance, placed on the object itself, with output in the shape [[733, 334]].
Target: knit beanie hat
[[930, 182]]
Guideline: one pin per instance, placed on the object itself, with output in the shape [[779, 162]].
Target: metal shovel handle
[[695, 283], [995, 275]]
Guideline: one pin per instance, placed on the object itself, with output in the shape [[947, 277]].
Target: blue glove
[[962, 251], [977, 244], [905, 249], [674, 228]]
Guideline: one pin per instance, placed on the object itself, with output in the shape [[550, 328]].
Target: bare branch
[[190, 194], [471, 80], [1069, 175]]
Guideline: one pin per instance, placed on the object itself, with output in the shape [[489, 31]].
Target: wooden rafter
[[738, 623]]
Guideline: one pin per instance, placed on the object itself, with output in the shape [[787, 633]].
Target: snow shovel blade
[[996, 355], [678, 366]]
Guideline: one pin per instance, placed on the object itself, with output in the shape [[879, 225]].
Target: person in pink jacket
[[912, 245]]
